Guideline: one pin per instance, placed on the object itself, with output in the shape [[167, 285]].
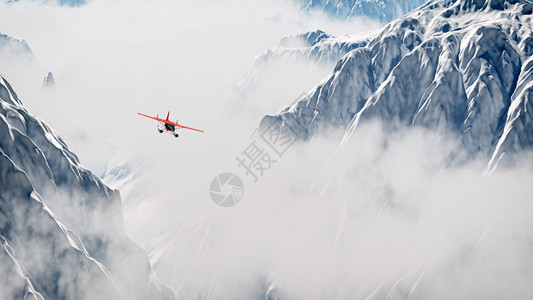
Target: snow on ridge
[[304, 52], [314, 45], [382, 10], [451, 65], [15, 48]]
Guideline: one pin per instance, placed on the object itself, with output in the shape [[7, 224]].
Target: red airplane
[[170, 126]]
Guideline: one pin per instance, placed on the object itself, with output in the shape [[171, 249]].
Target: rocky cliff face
[[381, 10], [459, 66], [61, 226]]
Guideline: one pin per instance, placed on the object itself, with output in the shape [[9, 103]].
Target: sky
[[367, 221]]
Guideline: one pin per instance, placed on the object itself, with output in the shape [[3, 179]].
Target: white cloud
[[392, 219]]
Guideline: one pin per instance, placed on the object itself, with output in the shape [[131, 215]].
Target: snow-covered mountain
[[61, 226], [456, 65], [49, 81], [316, 45], [291, 68], [381, 10], [14, 48]]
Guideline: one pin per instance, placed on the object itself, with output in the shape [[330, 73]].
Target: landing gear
[[159, 129], [176, 135]]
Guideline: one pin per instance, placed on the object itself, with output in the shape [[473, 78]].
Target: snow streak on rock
[[381, 10]]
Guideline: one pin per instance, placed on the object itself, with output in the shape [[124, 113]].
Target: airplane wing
[[188, 127], [155, 118]]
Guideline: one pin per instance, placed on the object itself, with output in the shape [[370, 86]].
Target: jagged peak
[[7, 93], [456, 7], [15, 46], [310, 39], [49, 81]]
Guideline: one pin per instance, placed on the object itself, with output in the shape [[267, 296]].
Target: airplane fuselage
[[170, 127]]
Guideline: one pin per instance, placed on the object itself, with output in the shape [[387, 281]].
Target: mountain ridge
[[381, 10], [450, 65]]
